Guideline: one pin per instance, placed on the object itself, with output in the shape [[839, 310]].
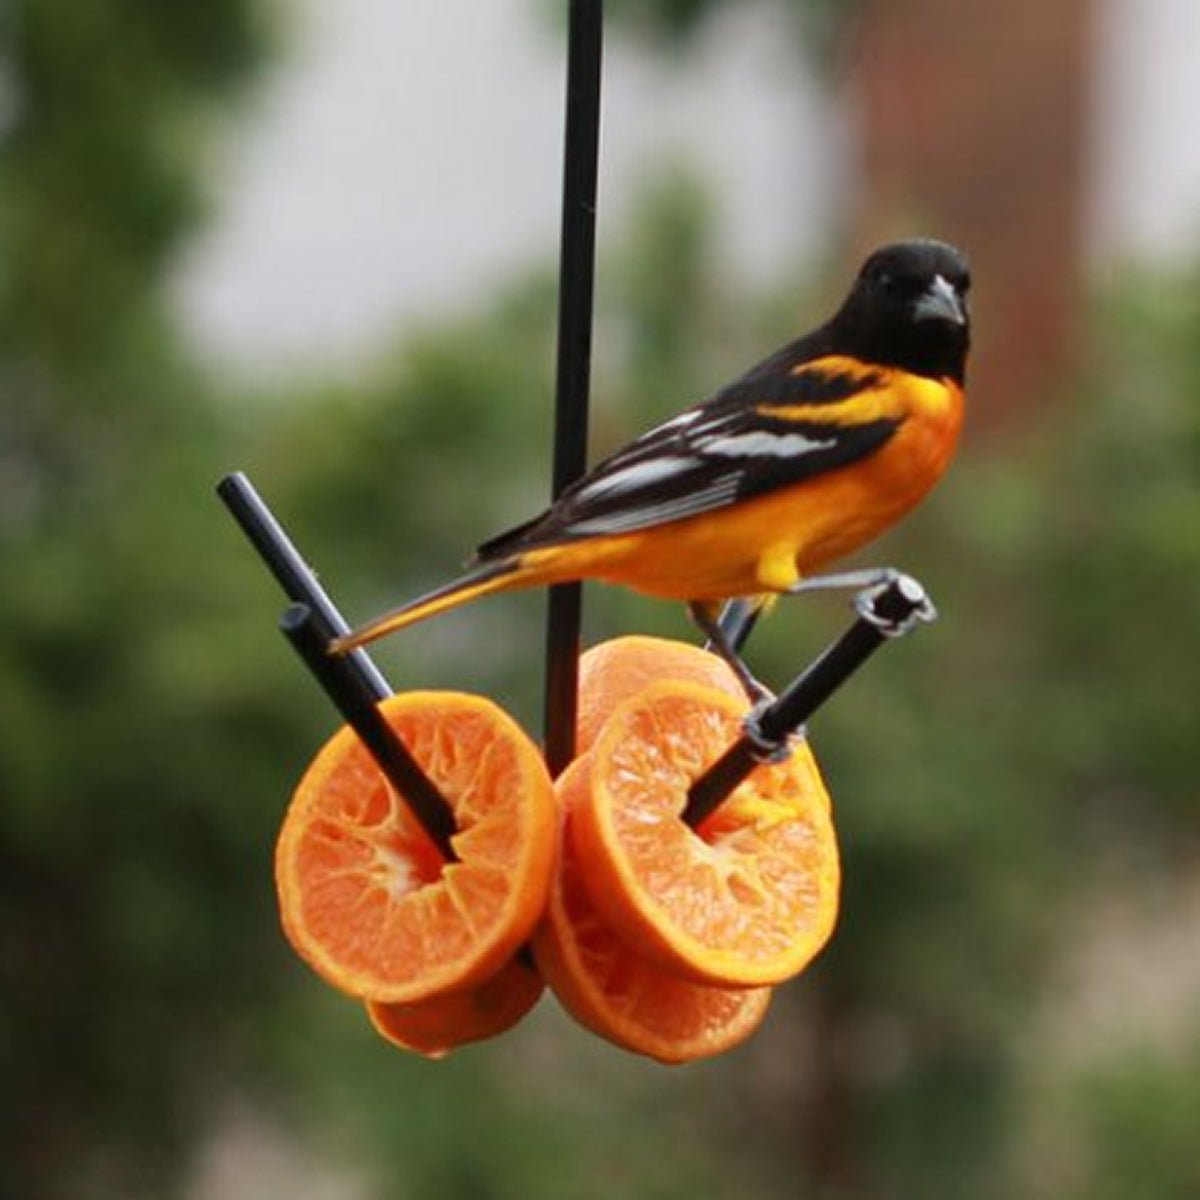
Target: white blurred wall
[[403, 156], [1146, 131]]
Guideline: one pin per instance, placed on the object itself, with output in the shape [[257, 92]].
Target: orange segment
[[614, 671], [438, 1025], [365, 898], [613, 991], [746, 900]]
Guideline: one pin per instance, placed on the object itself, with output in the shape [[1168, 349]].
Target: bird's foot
[[768, 748], [918, 607], [868, 587]]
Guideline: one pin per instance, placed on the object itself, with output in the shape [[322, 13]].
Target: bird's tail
[[482, 580]]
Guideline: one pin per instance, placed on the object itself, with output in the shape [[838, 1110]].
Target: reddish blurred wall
[[972, 123]]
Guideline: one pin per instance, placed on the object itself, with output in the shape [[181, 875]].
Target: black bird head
[[908, 309]]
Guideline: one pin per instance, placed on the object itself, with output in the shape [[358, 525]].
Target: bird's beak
[[941, 302]]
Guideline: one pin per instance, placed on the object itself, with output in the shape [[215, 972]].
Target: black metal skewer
[[286, 563], [352, 682], [894, 607], [309, 634]]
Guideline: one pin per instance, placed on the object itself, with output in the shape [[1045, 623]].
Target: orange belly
[[769, 543]]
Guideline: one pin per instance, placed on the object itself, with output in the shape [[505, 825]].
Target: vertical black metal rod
[[576, 289]]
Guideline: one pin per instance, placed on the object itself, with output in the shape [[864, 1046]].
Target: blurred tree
[[100, 158], [672, 23], [109, 700], [1131, 1121]]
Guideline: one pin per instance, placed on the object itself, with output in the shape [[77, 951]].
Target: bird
[[803, 459]]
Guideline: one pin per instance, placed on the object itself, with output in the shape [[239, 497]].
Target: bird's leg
[[721, 642], [733, 627], [738, 619], [867, 586]]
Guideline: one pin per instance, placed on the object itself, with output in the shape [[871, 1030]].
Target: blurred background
[[317, 242]]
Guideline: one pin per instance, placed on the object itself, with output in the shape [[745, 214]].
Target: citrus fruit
[[614, 671], [436, 1026], [746, 899], [364, 896], [612, 990]]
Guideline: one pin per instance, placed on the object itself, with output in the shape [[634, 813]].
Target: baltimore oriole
[[803, 459]]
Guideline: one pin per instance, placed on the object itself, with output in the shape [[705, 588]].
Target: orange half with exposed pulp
[[616, 670], [609, 988], [748, 898], [364, 896]]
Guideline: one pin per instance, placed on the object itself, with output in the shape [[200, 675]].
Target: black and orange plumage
[[802, 460]]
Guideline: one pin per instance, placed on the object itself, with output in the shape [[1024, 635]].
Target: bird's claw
[[921, 609], [767, 748]]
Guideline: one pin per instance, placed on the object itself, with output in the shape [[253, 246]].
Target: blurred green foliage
[[671, 25], [134, 914], [1002, 780]]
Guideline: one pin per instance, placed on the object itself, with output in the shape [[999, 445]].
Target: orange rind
[[364, 896], [746, 900], [611, 989]]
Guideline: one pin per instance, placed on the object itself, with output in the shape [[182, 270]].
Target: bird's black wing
[[742, 443]]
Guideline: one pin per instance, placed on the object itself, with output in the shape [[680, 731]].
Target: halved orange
[[612, 990], [614, 671], [748, 898], [364, 896], [438, 1025]]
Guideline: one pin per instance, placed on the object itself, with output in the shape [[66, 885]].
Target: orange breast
[[854, 506], [768, 543]]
